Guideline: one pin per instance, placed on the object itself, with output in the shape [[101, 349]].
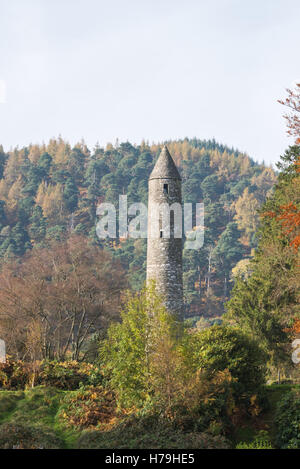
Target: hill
[[52, 190]]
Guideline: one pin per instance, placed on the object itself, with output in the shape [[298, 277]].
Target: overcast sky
[[148, 69]]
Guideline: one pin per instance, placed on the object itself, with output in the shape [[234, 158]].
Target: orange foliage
[[295, 329], [289, 217], [88, 408], [269, 214], [296, 326]]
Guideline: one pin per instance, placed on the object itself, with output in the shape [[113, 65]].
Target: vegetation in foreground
[[156, 385], [46, 417]]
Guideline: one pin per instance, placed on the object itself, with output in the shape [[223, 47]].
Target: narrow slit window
[[166, 188], [172, 223], [161, 233]]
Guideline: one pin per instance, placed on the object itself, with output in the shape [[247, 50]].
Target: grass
[[36, 409], [8, 403]]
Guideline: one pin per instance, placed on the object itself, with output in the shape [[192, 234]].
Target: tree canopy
[[50, 191]]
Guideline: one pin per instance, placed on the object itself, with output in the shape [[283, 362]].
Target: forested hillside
[[52, 190]]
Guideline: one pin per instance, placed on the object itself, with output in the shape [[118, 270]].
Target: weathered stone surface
[[2, 351], [164, 255], [165, 167]]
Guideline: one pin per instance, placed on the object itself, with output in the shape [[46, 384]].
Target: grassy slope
[[38, 408]]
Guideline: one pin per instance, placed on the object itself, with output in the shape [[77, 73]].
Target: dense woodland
[[50, 192]]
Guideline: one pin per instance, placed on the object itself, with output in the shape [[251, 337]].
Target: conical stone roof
[[165, 167]]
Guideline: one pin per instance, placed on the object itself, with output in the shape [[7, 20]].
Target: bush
[[20, 436], [68, 375], [126, 354], [154, 365], [219, 348], [205, 404], [62, 375], [287, 420], [14, 375], [87, 407], [149, 432]]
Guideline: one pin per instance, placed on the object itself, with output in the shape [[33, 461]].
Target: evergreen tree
[[3, 158], [228, 252], [266, 302], [70, 195], [38, 224], [20, 241], [44, 164]]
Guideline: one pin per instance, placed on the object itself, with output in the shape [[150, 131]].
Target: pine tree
[[38, 225], [70, 195]]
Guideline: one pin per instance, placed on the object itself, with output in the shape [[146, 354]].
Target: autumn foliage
[[69, 375], [289, 213], [57, 298], [289, 216], [88, 407]]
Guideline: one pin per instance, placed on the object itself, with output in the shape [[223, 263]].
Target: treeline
[[50, 191], [265, 300]]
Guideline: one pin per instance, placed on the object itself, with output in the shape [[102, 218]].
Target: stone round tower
[[164, 248]]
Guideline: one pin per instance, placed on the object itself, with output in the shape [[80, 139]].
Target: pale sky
[[148, 69]]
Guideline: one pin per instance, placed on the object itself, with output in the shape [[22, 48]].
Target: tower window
[[172, 223], [166, 188], [161, 233]]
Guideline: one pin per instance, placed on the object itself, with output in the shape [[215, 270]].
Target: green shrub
[[127, 352], [68, 375], [221, 347], [207, 405], [155, 365], [287, 420], [149, 432], [261, 441]]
